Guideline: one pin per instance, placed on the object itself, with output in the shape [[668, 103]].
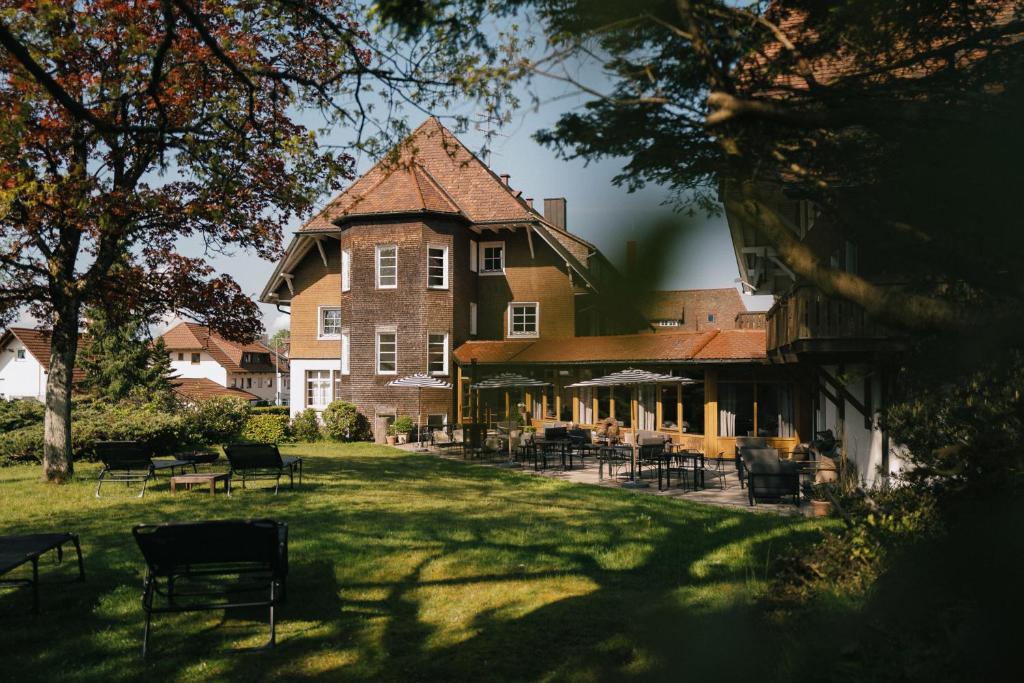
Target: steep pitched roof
[[200, 388], [708, 346], [430, 171], [37, 343], [191, 336]]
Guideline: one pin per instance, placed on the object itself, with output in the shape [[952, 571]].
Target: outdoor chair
[[442, 441], [714, 468], [743, 442], [614, 458], [214, 565], [770, 477], [582, 442], [131, 461], [256, 461], [18, 550]]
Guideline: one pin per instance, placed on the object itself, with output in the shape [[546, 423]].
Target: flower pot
[[403, 438], [820, 508], [391, 439]]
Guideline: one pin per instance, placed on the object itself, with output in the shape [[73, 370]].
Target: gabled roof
[[37, 343], [187, 336], [200, 388], [709, 346]]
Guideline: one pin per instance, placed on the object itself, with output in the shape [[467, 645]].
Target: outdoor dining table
[[682, 456], [562, 446]]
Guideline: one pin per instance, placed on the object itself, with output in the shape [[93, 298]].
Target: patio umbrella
[[420, 382], [509, 380], [633, 378]]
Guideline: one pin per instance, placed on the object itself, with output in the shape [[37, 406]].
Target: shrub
[[342, 422], [306, 426], [22, 445], [402, 425], [266, 428], [270, 410], [20, 413], [161, 431], [217, 420]]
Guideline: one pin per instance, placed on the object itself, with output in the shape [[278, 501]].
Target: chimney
[[529, 202], [631, 257], [506, 178], [554, 212]]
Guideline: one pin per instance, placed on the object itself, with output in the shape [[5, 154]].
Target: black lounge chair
[[131, 461], [17, 550], [253, 461], [770, 477], [186, 561]]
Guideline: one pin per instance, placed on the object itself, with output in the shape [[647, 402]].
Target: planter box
[[821, 508]]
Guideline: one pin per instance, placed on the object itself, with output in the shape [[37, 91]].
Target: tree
[[121, 361], [129, 126]]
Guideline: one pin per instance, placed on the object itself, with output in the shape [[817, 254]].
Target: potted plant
[[402, 427], [821, 503], [392, 437]]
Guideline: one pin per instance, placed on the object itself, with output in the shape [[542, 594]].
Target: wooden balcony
[[805, 321]]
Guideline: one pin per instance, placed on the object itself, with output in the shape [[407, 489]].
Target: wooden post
[[657, 407], [711, 411], [755, 409], [611, 402], [458, 398], [576, 406], [679, 408], [544, 405], [594, 403]]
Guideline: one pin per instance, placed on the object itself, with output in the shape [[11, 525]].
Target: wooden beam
[[529, 240], [842, 391], [320, 248], [288, 280]]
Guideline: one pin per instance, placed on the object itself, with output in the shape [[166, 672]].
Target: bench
[[18, 550], [255, 461], [213, 565]]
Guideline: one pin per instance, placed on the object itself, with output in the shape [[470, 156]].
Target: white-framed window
[[346, 270], [437, 267], [437, 353], [523, 319], [318, 388], [472, 317], [330, 322], [668, 323], [492, 258], [387, 353], [345, 351], [473, 254], [195, 359], [387, 266]]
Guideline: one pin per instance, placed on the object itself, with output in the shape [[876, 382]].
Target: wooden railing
[[805, 314]]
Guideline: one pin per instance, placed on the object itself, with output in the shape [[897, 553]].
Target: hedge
[[270, 410], [266, 428]]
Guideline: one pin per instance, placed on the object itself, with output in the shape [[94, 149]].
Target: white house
[[24, 362], [197, 353]]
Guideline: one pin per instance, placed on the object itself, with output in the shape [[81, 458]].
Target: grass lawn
[[412, 567]]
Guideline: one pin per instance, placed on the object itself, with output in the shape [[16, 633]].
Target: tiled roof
[[37, 342], [191, 336], [682, 304], [711, 345], [200, 388], [430, 171]]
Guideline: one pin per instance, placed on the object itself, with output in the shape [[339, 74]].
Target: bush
[[22, 445], [402, 425], [20, 413], [342, 422], [217, 420], [266, 428], [163, 432], [270, 410], [306, 426]]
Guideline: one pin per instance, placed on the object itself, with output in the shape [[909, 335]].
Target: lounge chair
[[255, 461], [770, 477], [186, 561], [439, 439], [17, 550], [131, 461]]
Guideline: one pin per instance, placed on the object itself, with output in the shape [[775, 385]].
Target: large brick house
[[430, 262]]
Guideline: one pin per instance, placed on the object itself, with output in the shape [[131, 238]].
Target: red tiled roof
[[711, 345], [200, 388], [37, 342], [191, 336], [429, 171]]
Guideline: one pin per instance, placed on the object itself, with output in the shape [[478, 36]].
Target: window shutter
[[472, 318], [473, 254]]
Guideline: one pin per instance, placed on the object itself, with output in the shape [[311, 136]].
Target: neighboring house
[[433, 263], [24, 363], [201, 388], [693, 310], [197, 353]]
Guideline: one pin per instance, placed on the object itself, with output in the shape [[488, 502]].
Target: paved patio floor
[[730, 496]]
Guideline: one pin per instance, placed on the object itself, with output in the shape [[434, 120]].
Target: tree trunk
[[57, 463]]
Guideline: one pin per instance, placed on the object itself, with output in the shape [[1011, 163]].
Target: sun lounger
[[254, 461], [131, 461], [18, 550]]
